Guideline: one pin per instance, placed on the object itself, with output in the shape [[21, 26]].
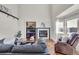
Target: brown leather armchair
[[67, 48]]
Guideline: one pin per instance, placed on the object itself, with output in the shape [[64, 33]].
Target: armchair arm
[[64, 48]]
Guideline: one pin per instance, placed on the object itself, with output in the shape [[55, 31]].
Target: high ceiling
[[59, 8]]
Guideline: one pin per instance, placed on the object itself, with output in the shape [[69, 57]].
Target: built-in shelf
[[30, 30]]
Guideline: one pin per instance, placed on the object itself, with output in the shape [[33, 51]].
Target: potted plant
[[18, 39], [18, 34]]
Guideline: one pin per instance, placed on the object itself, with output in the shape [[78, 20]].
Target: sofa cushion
[[73, 38], [42, 43], [27, 48], [5, 48], [9, 41]]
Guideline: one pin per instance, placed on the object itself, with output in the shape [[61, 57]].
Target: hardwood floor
[[50, 45]]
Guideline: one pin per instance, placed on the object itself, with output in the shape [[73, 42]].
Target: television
[[43, 33]]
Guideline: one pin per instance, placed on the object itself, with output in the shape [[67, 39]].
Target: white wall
[[38, 13], [8, 25], [13, 9]]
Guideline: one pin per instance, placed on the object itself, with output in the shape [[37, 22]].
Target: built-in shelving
[[30, 30]]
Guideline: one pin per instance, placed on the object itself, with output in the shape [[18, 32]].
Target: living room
[[27, 24]]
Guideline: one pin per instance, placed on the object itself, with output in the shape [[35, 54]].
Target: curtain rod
[[9, 14]]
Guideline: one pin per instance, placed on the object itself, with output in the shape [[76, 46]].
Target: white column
[[65, 27], [78, 25]]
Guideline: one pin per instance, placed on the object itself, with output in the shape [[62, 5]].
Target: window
[[59, 29], [72, 26]]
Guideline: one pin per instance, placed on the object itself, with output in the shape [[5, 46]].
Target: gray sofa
[[38, 49], [22, 49]]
